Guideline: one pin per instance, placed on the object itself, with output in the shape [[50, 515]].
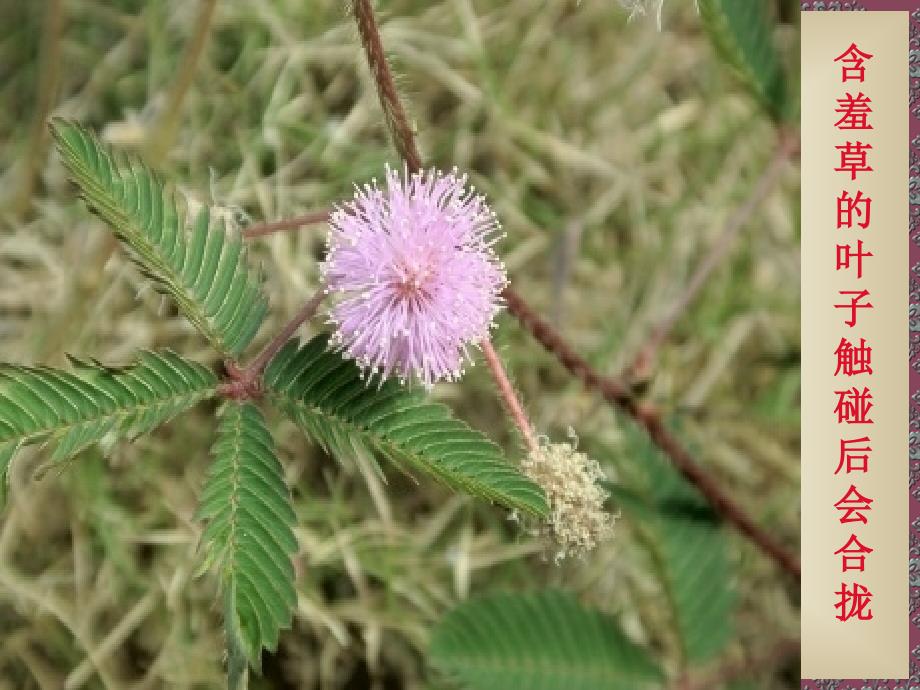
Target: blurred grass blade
[[249, 537], [540, 641], [742, 33], [92, 403], [203, 267], [329, 399], [7, 452]]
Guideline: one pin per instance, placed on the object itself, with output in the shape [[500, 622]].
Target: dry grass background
[[613, 152]]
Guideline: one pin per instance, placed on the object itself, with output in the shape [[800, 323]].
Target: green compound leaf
[[743, 35], [540, 641], [201, 264], [689, 553], [92, 403], [693, 566], [328, 398], [249, 537]]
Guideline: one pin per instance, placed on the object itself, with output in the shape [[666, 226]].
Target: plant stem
[[619, 395], [613, 391], [394, 113], [506, 391], [306, 312], [244, 382], [261, 229], [404, 141]]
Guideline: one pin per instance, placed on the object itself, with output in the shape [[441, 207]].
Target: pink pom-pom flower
[[414, 275]]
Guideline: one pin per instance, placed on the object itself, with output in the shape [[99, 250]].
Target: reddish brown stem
[[397, 123], [271, 349], [261, 229], [245, 382], [618, 394], [506, 391], [612, 391]]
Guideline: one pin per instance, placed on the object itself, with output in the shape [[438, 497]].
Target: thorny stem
[[618, 394], [643, 363], [245, 382], [506, 390], [261, 229], [613, 391]]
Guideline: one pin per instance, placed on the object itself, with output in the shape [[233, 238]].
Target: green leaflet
[[248, 536], [742, 34], [75, 409], [329, 399], [688, 548], [693, 564], [539, 641], [201, 264]]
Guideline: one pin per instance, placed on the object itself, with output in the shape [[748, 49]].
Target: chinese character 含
[[852, 60], [854, 603], [854, 304], [854, 158], [853, 505], [855, 458], [853, 554], [845, 253], [855, 111], [853, 406], [853, 359], [846, 205]]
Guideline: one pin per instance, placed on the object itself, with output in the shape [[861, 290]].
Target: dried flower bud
[[577, 521]]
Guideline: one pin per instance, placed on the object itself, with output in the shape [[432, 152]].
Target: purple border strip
[[913, 6]]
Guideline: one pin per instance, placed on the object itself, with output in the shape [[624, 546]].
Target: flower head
[[577, 520], [415, 275]]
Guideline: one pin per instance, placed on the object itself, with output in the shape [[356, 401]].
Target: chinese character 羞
[[855, 112]]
